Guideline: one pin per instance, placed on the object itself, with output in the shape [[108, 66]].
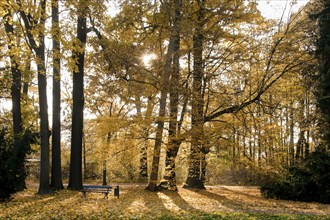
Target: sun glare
[[147, 58]]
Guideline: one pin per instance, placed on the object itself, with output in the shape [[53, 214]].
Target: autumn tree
[[216, 40], [56, 174], [15, 70], [34, 17], [173, 13], [174, 141], [194, 178], [241, 77], [16, 73], [323, 87], [75, 179], [124, 76], [16, 146]]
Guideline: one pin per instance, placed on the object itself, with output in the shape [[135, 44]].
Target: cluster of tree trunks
[[35, 22]]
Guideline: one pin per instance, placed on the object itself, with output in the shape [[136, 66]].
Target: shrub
[[12, 163], [307, 182]]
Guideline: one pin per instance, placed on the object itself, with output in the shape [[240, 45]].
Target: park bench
[[100, 189]]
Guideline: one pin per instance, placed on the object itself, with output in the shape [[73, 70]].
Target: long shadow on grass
[[268, 204], [239, 192], [154, 202], [224, 201], [129, 195], [137, 200], [179, 201]]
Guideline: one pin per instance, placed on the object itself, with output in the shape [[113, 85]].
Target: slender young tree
[[56, 174], [152, 185], [75, 178]]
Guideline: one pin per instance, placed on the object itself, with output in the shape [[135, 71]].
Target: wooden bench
[[100, 189]]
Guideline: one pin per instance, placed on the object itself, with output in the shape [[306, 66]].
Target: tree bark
[[56, 173], [169, 181], [145, 132], [44, 126], [152, 185], [38, 45], [194, 179], [75, 176]]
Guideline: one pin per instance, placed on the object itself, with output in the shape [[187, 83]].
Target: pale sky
[[273, 9]]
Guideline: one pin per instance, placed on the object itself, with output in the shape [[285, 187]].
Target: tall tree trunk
[[152, 185], [16, 76], [174, 144], [44, 125], [323, 91], [38, 45], [194, 178], [56, 173], [75, 176]]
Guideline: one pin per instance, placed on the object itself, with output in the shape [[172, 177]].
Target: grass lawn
[[216, 202]]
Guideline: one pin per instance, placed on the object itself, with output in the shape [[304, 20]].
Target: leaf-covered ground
[[216, 202]]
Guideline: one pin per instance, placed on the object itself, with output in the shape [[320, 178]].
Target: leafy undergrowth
[[217, 202]]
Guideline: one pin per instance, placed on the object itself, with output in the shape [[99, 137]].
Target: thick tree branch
[[236, 108]]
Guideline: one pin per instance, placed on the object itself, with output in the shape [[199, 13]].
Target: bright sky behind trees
[[273, 9]]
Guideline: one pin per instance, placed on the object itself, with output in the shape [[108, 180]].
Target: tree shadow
[[128, 195], [224, 201], [275, 206], [239, 192], [179, 201]]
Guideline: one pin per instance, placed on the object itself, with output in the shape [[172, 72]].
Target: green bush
[[308, 182], [12, 163]]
